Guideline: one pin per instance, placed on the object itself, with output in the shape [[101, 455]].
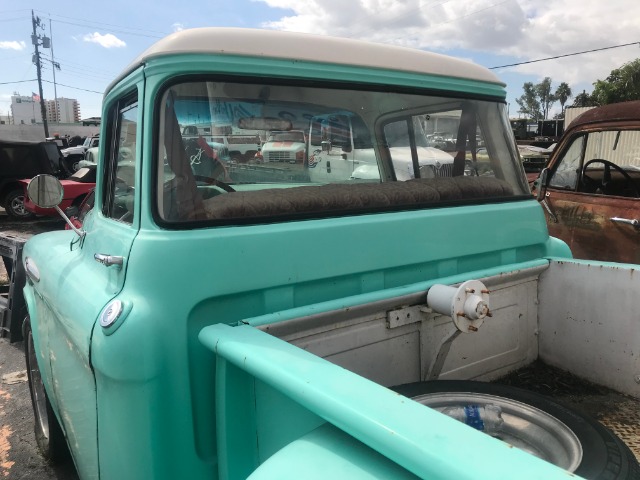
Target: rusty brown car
[[591, 188]]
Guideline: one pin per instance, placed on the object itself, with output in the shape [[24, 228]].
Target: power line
[[74, 88], [19, 81], [566, 55], [13, 19], [78, 22], [81, 68], [112, 30]]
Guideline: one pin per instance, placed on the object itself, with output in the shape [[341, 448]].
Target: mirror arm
[[80, 233], [541, 188], [552, 215], [542, 194]]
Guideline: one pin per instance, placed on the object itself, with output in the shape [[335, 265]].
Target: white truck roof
[[311, 48]]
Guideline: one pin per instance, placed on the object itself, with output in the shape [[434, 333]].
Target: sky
[[94, 41]]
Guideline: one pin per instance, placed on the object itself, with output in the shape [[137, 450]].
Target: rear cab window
[[364, 151]]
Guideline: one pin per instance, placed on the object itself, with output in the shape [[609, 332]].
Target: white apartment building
[[66, 110], [26, 110]]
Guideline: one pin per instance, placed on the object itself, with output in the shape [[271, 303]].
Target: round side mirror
[[45, 191]]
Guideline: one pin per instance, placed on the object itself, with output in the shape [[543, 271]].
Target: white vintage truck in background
[[340, 147]]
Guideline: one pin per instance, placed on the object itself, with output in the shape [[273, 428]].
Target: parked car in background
[[534, 159], [20, 160], [240, 147], [76, 214], [90, 158], [591, 189], [76, 188], [73, 155]]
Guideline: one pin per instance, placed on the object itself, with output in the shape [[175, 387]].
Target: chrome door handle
[[627, 221], [108, 260]]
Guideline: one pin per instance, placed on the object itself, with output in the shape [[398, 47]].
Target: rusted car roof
[[615, 112]]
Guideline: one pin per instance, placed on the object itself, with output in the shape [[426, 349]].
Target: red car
[[76, 188], [77, 214]]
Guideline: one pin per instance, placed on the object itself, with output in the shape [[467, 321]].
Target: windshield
[[351, 140]]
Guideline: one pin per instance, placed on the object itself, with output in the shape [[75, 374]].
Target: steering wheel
[[606, 177], [214, 181]]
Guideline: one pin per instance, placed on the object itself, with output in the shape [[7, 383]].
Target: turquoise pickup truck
[[227, 321]]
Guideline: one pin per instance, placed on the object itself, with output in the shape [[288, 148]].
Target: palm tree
[[563, 93]]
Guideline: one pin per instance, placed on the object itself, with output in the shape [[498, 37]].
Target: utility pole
[[54, 66], [35, 39]]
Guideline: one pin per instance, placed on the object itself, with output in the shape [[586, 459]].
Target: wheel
[[606, 176], [533, 423], [71, 163], [14, 205], [49, 435]]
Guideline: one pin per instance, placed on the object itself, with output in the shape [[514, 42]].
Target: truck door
[[90, 275], [593, 199]]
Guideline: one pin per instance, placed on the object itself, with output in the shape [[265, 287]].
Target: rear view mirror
[[45, 191], [264, 123]]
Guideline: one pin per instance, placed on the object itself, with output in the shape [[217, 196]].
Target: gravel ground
[[20, 458]]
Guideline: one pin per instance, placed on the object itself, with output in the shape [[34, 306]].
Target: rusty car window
[[621, 147], [568, 168]]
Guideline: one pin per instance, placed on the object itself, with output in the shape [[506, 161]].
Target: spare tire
[[534, 423]]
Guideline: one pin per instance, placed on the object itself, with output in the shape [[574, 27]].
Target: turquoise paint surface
[[233, 274], [278, 68]]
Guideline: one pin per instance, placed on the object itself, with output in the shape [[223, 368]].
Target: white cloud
[[177, 27], [524, 29], [107, 41], [12, 45]]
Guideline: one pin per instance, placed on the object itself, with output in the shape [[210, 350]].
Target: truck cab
[[260, 322]]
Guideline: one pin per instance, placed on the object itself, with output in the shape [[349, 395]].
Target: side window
[[122, 162], [397, 140], [568, 168]]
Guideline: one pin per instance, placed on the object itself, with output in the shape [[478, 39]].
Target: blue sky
[[94, 41]]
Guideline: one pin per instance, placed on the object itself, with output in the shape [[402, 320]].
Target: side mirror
[[541, 184], [46, 191]]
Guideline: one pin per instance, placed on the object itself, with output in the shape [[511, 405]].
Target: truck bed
[[539, 318], [615, 411]]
